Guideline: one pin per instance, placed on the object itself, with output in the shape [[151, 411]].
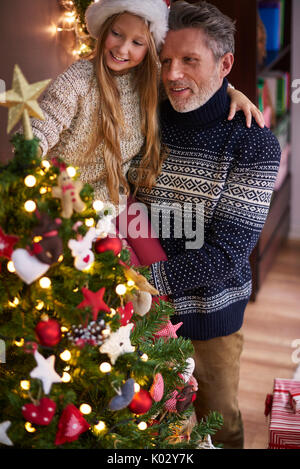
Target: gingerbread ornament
[[69, 192]]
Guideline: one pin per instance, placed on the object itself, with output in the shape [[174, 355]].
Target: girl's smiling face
[[126, 44]]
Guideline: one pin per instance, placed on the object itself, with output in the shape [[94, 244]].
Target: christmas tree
[[91, 360]]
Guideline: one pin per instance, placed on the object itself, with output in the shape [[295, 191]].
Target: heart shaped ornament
[[142, 302], [41, 414], [28, 267], [157, 388], [124, 397]]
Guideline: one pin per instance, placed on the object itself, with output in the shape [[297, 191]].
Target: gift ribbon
[[268, 404]]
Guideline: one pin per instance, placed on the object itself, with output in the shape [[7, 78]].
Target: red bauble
[[41, 414], [141, 402], [48, 332], [110, 243]]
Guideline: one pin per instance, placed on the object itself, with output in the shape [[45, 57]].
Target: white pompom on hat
[[154, 11]]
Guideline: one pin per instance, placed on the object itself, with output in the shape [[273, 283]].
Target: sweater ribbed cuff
[[159, 279]]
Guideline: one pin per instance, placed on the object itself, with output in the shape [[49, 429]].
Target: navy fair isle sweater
[[231, 171]]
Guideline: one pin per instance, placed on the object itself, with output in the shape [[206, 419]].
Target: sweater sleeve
[[60, 103], [236, 225]]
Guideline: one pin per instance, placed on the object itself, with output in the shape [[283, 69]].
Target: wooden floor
[[271, 324]]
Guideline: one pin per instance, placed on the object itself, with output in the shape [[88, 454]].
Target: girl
[[101, 112]]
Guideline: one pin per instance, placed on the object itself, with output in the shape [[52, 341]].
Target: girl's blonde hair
[[111, 123]]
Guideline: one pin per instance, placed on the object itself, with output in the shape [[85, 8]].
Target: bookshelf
[[244, 76]]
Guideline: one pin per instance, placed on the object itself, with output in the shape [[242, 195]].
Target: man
[[230, 170]]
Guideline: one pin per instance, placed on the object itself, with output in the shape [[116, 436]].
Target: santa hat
[[153, 11]]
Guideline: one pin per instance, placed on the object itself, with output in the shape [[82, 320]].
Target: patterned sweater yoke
[[228, 171], [72, 106]]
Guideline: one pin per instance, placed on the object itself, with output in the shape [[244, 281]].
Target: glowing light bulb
[[100, 426], [105, 367], [85, 409], [11, 267], [45, 164], [65, 355], [66, 22], [30, 206], [137, 387], [64, 329], [30, 181], [66, 377], [121, 289], [29, 428], [71, 171], [113, 312], [142, 426], [40, 305], [130, 283], [98, 205], [45, 282], [144, 357], [19, 343], [60, 258], [89, 222], [43, 190], [14, 303], [84, 48], [25, 385]]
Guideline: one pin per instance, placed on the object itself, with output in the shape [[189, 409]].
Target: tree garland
[[73, 20]]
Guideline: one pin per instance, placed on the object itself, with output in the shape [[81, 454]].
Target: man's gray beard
[[196, 100]]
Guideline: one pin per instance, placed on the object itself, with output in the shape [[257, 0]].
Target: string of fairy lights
[[45, 283], [70, 22]]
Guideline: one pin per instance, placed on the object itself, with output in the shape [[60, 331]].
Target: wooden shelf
[[273, 59]]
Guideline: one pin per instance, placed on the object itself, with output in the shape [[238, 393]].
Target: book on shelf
[[272, 14], [274, 95], [273, 92]]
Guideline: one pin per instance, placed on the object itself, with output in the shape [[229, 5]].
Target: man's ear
[[226, 64]]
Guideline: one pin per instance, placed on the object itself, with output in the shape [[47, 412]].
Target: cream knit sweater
[[69, 108]]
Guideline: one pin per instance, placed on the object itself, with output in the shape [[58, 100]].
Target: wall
[[28, 38], [295, 162]]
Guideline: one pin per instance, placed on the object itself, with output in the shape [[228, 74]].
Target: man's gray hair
[[219, 28]]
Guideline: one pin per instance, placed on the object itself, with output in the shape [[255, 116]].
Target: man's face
[[190, 73]]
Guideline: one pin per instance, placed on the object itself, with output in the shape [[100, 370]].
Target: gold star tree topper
[[22, 102]]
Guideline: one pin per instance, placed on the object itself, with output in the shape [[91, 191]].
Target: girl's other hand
[[240, 102]]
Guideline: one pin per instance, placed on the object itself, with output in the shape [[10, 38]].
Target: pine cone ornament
[[91, 334]]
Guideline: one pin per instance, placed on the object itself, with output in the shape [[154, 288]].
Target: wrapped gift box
[[284, 429]]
